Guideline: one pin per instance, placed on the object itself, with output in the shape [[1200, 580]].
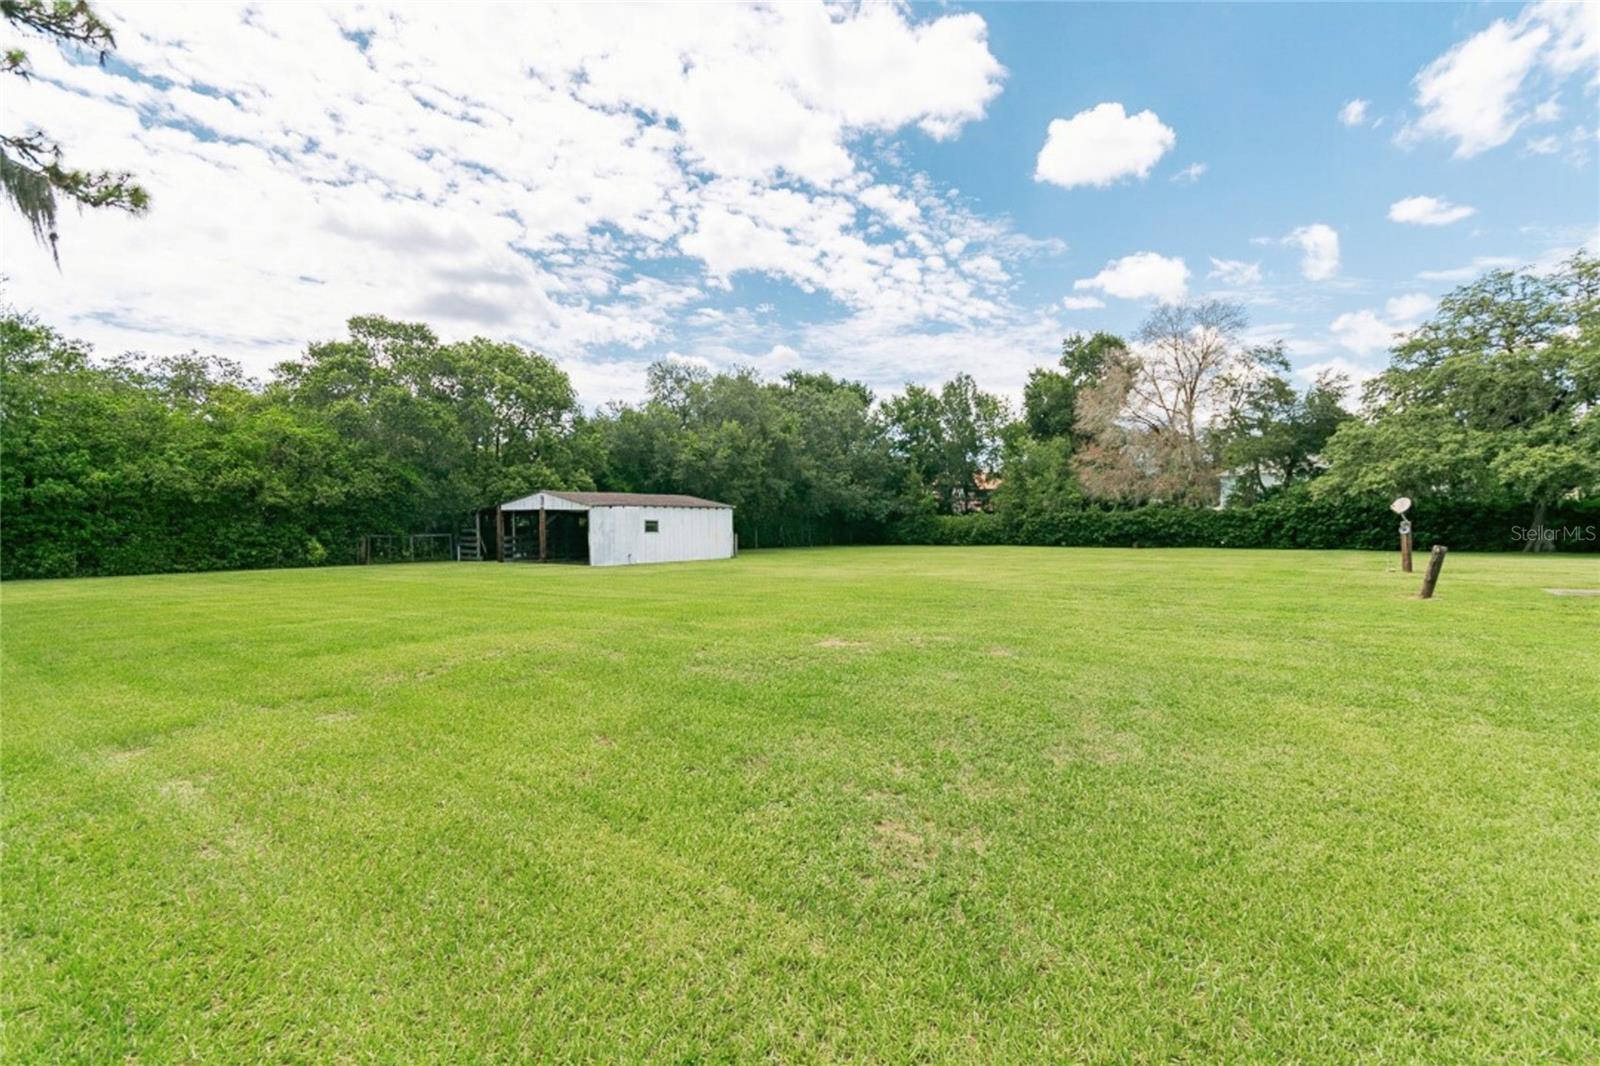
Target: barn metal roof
[[636, 499]]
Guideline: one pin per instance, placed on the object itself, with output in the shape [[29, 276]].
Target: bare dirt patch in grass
[[1097, 743], [182, 791], [900, 847], [122, 756]]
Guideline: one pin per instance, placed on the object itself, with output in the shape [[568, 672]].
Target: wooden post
[[1405, 547], [1431, 578], [541, 532], [499, 534]]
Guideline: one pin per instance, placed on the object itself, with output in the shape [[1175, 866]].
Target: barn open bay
[[880, 804]]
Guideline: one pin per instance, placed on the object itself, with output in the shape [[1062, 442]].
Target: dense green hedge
[[1289, 521]]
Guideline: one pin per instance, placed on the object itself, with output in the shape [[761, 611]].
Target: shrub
[[1289, 520]]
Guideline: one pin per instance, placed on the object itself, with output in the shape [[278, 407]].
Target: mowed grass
[[885, 804]]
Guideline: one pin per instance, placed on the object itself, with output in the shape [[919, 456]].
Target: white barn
[[611, 528]]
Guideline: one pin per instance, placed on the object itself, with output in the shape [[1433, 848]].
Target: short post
[[542, 552], [1431, 578]]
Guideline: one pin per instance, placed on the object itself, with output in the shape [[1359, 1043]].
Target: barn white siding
[[617, 535]]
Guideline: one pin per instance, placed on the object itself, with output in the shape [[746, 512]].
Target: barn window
[[652, 526]]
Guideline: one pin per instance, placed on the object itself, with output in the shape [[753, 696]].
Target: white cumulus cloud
[[1478, 94], [1428, 211], [1365, 332], [1407, 310], [1081, 303], [1319, 248], [1101, 146], [1140, 276]]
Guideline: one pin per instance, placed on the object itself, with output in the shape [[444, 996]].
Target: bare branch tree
[[1147, 417]]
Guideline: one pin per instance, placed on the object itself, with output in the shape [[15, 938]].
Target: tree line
[[133, 464]]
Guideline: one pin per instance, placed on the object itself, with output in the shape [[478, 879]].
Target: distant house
[[965, 501], [601, 529]]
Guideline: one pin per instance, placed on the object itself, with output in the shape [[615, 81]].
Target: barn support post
[[541, 532], [499, 534]]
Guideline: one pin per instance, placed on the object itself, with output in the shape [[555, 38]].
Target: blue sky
[[1253, 92], [893, 194]]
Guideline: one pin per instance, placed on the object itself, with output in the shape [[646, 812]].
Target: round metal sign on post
[[1400, 507]]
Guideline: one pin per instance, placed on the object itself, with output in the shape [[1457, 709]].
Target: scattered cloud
[[1356, 373], [1428, 211], [1408, 309], [1235, 272], [1354, 113], [1363, 332], [1101, 146], [1479, 265], [1319, 247], [583, 193], [777, 360], [1367, 331], [1477, 94], [1578, 142], [734, 186], [1003, 353], [1140, 276]]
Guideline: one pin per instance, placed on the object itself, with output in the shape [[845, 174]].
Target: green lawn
[[881, 804]]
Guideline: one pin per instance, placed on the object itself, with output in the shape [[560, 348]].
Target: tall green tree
[[1496, 398], [1269, 435], [947, 441], [133, 465], [1050, 398], [452, 427], [803, 460], [33, 171], [972, 422]]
